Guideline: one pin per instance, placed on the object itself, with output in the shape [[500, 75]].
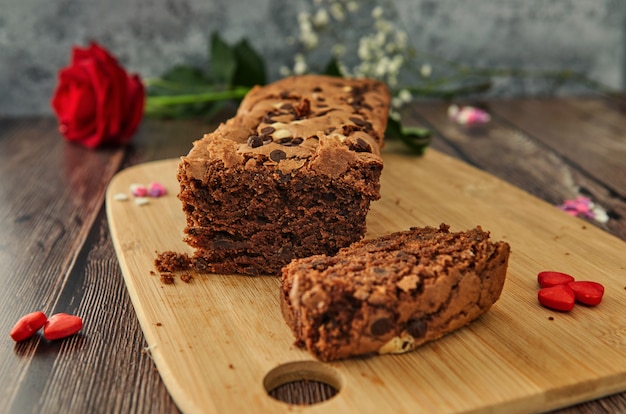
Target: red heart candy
[[28, 325], [551, 278], [62, 325], [587, 292], [559, 297]]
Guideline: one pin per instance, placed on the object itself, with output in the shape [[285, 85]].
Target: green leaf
[[179, 80], [250, 69], [185, 75], [415, 138], [223, 62], [332, 68]]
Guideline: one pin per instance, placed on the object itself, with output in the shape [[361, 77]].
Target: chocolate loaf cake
[[291, 175], [394, 293]]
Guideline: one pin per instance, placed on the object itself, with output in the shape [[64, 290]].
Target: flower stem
[[173, 100]]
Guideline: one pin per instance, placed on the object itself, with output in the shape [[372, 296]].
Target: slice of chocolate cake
[[394, 293], [291, 175]]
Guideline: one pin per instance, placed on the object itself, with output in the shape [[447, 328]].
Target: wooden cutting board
[[220, 342]]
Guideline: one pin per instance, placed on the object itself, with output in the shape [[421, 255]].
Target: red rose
[[96, 101]]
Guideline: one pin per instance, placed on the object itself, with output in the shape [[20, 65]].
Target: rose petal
[[134, 106]]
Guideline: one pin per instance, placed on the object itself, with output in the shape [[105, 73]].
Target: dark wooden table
[[56, 253]]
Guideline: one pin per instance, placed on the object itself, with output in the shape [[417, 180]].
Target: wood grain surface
[[57, 254], [219, 335]]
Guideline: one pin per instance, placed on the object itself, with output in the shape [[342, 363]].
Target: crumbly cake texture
[[393, 293], [291, 175]]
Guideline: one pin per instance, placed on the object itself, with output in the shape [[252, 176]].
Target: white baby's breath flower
[[392, 80], [310, 40], [396, 102], [395, 115], [426, 70], [384, 26], [382, 67], [343, 70], [337, 11], [363, 51], [352, 6], [380, 53], [308, 37], [380, 38], [405, 96], [338, 50], [300, 66], [284, 71], [401, 39], [377, 12], [395, 64], [321, 19], [363, 70], [304, 18]]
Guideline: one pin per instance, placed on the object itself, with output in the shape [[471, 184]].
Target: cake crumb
[[170, 261], [167, 278], [186, 277]]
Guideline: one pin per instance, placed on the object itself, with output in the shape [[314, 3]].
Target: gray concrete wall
[[149, 36]]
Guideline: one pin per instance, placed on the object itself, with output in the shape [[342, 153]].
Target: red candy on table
[[587, 292], [28, 325], [551, 278], [560, 291], [62, 325], [559, 297]]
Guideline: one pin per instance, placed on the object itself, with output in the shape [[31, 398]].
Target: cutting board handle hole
[[302, 382]]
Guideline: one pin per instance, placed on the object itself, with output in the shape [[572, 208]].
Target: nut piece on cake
[[393, 293], [291, 175]]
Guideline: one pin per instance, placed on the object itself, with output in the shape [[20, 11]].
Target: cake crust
[[393, 293]]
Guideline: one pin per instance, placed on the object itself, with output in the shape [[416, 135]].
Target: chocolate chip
[[329, 130], [269, 117], [362, 146], [267, 130], [200, 263], [278, 155], [317, 89], [297, 141], [416, 328], [254, 141], [267, 139], [285, 141], [322, 113], [381, 326], [357, 121], [286, 106]]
